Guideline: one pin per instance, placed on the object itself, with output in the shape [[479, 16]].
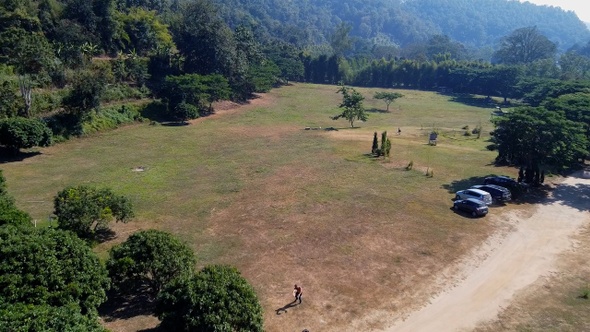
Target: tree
[[86, 92], [375, 147], [535, 137], [387, 97], [84, 210], [22, 133], [352, 105], [523, 46], [149, 258], [50, 267], [9, 213], [10, 103], [29, 317], [217, 298]]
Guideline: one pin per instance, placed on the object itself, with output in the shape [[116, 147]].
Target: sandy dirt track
[[513, 261]]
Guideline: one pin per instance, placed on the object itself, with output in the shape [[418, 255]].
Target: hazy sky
[[581, 7]]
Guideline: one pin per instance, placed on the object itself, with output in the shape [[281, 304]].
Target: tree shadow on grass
[[284, 308], [104, 235], [8, 156], [174, 123], [476, 101], [126, 306], [377, 110]]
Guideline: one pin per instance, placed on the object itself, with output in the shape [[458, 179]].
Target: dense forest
[[73, 67]]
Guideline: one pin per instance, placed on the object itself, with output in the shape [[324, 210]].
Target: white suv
[[475, 193]]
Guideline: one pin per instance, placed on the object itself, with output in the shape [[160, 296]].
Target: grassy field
[[252, 188]]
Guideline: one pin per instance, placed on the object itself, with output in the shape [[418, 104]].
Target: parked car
[[499, 193], [516, 188], [503, 181], [474, 206], [475, 193]]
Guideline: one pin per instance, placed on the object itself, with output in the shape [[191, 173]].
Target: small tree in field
[[387, 97], [84, 210], [352, 106], [149, 258], [217, 298]]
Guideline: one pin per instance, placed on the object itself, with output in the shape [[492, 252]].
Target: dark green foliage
[[387, 97], [218, 298], [84, 210], [9, 213], [264, 76], [375, 147], [352, 105], [187, 95], [149, 258], [22, 317], [525, 45], [49, 267], [10, 102], [22, 133], [534, 136], [86, 93]]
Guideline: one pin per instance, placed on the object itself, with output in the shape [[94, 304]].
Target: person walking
[[297, 292]]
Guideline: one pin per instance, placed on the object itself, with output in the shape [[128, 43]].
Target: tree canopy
[[217, 298], [535, 137], [149, 258], [525, 45], [49, 267], [352, 105], [84, 210], [387, 97]]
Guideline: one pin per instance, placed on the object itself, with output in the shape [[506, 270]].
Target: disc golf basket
[[432, 138]]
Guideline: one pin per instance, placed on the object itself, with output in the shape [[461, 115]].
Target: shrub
[[23, 133]]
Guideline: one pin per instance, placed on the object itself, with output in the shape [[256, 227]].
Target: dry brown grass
[[249, 187]]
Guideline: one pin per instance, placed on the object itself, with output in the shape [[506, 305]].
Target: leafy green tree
[[340, 39], [86, 92], [387, 97], [29, 317], [143, 31], [23, 133], [352, 105], [217, 298], [535, 137], [84, 210], [10, 103], [50, 267], [523, 46], [149, 258]]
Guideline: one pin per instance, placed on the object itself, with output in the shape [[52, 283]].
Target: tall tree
[[523, 46]]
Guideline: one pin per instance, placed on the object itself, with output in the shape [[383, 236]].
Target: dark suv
[[499, 194], [471, 205], [503, 181]]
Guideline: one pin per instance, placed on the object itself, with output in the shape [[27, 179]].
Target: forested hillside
[[475, 23]]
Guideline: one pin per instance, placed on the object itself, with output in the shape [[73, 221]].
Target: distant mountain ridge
[[475, 23]]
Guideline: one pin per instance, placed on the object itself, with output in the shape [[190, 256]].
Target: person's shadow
[[286, 306]]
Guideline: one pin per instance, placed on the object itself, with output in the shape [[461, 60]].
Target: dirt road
[[512, 262]]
